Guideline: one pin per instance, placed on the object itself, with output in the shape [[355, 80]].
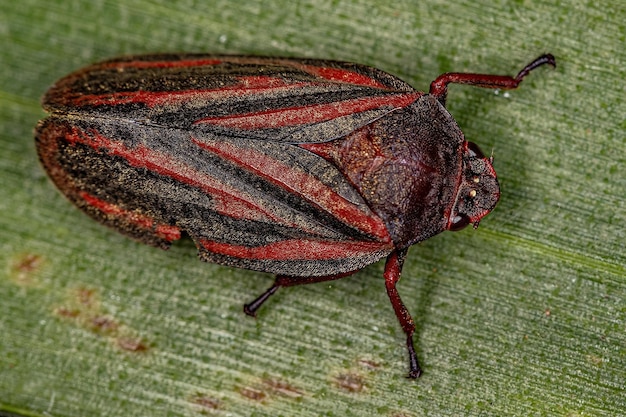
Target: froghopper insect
[[306, 169]]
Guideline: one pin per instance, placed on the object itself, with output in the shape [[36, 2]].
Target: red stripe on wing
[[315, 113], [302, 184], [341, 75], [245, 86], [296, 249], [164, 231]]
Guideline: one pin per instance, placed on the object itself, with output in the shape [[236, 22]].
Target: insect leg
[[393, 269], [439, 87], [287, 281]]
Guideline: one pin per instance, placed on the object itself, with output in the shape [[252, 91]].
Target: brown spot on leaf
[[104, 324], [67, 312], [253, 393], [369, 364], [282, 388], [86, 296], [23, 268], [29, 262], [84, 308], [350, 382], [205, 402], [131, 345]]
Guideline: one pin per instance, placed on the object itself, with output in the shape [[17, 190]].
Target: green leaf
[[524, 316]]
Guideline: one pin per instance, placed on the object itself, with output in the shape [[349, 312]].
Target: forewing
[[262, 205], [278, 99]]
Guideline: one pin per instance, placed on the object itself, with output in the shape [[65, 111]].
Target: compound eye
[[474, 150], [459, 222]]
